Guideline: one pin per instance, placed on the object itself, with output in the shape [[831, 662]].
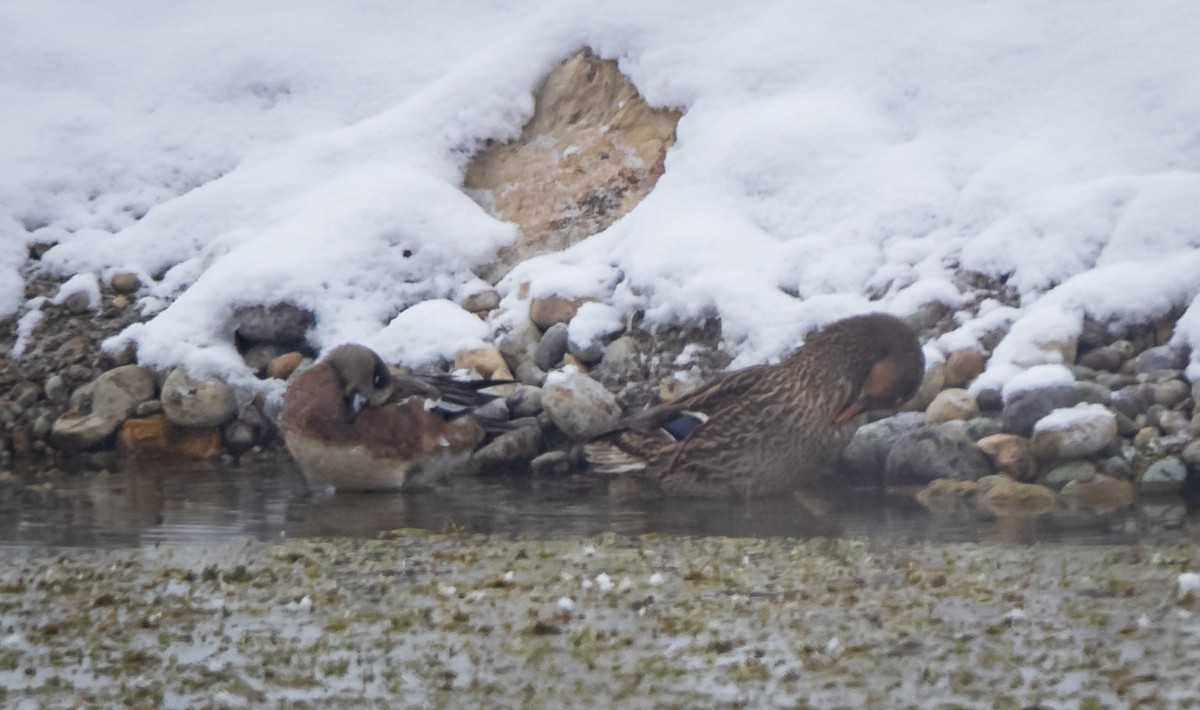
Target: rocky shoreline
[[1118, 422]]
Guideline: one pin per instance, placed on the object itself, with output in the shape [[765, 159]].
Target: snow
[[1038, 377], [833, 157], [1081, 416]]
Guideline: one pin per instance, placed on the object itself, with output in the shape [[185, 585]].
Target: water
[[148, 506]]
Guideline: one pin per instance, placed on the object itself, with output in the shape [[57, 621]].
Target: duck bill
[[851, 411]]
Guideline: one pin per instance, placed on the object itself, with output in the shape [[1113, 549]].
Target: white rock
[[1074, 432]]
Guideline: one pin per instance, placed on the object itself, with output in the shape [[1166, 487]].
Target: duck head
[[363, 376], [886, 361]]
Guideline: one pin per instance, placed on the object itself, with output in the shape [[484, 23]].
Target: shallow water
[[149, 506]]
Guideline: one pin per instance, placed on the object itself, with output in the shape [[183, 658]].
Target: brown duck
[[769, 429], [350, 423]]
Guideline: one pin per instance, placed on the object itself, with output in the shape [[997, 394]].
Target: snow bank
[[834, 157]]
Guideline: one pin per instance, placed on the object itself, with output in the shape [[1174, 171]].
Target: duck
[[768, 429], [352, 424]]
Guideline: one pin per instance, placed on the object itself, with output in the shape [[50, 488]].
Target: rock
[[1059, 476], [282, 367], [487, 361], [238, 437], [493, 412], [1010, 454], [519, 344], [56, 389], [1108, 357], [983, 427], [1144, 436], [579, 406], [1171, 392], [951, 404], [525, 401], [147, 408], [118, 392], [1125, 425], [989, 400], [24, 395], [927, 316], [1173, 421], [551, 463], [73, 350], [864, 458], [78, 302], [125, 283], [1006, 497], [549, 310], [154, 438], [552, 347], [530, 374], [41, 426], [281, 323], [1098, 493], [934, 380], [81, 432], [258, 356], [946, 497], [1117, 467], [1191, 453], [934, 451], [1023, 409], [521, 444], [963, 366], [1093, 392], [1074, 432], [591, 151], [1162, 357], [481, 302], [620, 362], [1165, 477], [200, 403]]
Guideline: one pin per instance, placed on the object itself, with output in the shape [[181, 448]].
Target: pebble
[[147, 408], [518, 345], [1025, 408], [989, 400], [481, 302], [525, 401], [1010, 454], [521, 444], [620, 362], [983, 427], [932, 383], [156, 439], [552, 347], [934, 451], [56, 389], [1059, 476], [238, 437], [1107, 357], [1162, 357], [24, 395], [1173, 421], [486, 360], [192, 402], [865, 456], [1098, 493], [951, 404], [551, 463], [579, 406], [282, 367], [80, 432], [530, 374], [282, 323], [1191, 453], [118, 392], [1171, 392], [1071, 433], [548, 310], [258, 356], [1003, 496], [125, 283], [1163, 477], [963, 366]]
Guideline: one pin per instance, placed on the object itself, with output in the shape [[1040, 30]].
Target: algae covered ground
[[455, 620]]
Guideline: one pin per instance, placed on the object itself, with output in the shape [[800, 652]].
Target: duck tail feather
[[607, 459]]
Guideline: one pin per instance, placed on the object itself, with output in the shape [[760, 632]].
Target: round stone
[[962, 366], [552, 347], [282, 323], [950, 405], [1010, 454], [1059, 476], [1074, 432], [125, 283], [283, 366], [935, 451], [1163, 477], [481, 302], [197, 402], [579, 406]]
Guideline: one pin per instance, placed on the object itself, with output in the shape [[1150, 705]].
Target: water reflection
[[158, 505]]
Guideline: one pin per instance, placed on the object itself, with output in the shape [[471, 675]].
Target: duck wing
[[445, 393], [683, 416]]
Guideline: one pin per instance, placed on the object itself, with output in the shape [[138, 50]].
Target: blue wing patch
[[682, 424]]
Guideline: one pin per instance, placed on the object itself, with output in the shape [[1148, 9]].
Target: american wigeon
[[769, 429], [350, 423]]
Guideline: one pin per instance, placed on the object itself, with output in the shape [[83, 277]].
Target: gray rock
[[935, 451], [1115, 381], [1173, 421], [192, 402], [981, 427], [589, 354], [518, 345], [41, 425], [78, 302], [1117, 467], [1093, 392], [1074, 432], [1125, 425], [1133, 400], [481, 302], [580, 406], [530, 374], [521, 444], [1063, 474], [620, 362], [1191, 453], [864, 458], [238, 437], [1163, 477], [932, 383], [1024, 408], [495, 411], [282, 323], [1162, 357], [989, 400], [81, 432], [551, 463], [1171, 392], [148, 408], [258, 356], [24, 395], [56, 389], [118, 392], [1108, 357], [125, 283], [525, 401], [551, 347]]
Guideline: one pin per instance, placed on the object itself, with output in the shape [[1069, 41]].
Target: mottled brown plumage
[[772, 428], [351, 423]]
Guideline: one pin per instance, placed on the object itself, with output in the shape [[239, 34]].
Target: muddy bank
[[453, 620]]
